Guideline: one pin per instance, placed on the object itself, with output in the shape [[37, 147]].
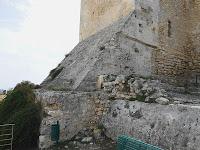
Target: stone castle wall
[[173, 27], [171, 58], [97, 14], [194, 44], [179, 40]]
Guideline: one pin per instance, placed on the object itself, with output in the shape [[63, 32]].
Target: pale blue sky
[[35, 35]]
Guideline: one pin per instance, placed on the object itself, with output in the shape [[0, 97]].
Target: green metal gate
[[127, 143], [55, 132], [6, 136]]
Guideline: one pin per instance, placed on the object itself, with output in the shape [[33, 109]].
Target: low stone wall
[[73, 110], [171, 127]]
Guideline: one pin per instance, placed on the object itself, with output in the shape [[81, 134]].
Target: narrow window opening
[[169, 28]]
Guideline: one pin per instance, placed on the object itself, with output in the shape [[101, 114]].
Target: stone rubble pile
[[90, 135], [134, 88]]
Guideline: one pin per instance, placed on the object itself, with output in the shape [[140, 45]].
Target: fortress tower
[[97, 14], [175, 32]]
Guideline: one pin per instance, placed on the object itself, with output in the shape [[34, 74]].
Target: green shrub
[[132, 99], [21, 109], [140, 98]]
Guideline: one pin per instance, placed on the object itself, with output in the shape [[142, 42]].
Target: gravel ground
[[74, 145]]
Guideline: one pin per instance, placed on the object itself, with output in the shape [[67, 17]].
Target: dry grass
[[2, 97]]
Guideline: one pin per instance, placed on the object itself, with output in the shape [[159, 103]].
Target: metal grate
[[127, 143], [6, 136]]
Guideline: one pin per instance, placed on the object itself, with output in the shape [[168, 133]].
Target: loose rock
[[87, 140], [162, 101]]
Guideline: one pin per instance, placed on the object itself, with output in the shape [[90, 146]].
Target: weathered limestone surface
[[111, 51], [75, 111], [171, 127], [72, 110]]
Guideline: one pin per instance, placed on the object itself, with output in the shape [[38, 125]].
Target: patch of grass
[[146, 77], [132, 99], [140, 98]]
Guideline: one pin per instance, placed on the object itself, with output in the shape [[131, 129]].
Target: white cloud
[[49, 31], [21, 5]]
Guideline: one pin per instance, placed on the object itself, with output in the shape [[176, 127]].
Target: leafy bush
[[132, 99], [140, 98], [21, 109]]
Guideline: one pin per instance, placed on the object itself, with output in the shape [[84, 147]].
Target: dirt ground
[[74, 145]]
